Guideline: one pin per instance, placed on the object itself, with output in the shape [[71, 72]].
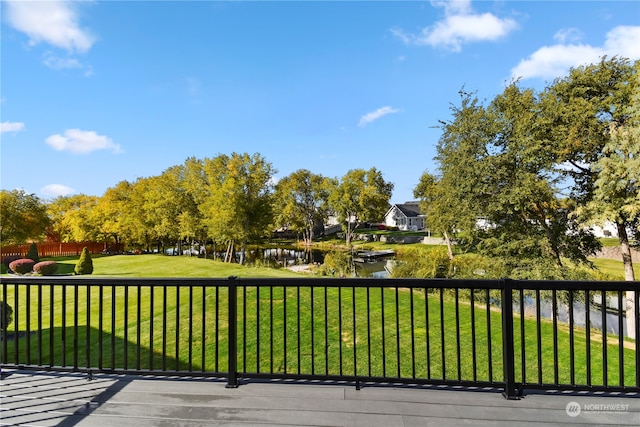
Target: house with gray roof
[[405, 216]]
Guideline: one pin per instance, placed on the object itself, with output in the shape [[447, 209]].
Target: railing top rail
[[494, 284]]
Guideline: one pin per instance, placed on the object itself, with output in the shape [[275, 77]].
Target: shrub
[[423, 263], [338, 263], [85, 264], [6, 315], [45, 268], [22, 266], [32, 253]]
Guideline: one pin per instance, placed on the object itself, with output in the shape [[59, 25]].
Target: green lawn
[[347, 337], [166, 266], [614, 268]]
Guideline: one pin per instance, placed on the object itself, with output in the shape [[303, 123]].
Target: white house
[[405, 216], [608, 229]]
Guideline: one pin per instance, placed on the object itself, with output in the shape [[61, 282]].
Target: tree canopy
[[360, 195], [23, 217], [301, 202]]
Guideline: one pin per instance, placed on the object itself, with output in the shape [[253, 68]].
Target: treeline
[[536, 167], [231, 200]]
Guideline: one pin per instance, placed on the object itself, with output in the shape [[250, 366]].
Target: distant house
[[608, 229], [405, 216]]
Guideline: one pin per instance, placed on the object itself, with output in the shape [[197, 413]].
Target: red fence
[[60, 249]]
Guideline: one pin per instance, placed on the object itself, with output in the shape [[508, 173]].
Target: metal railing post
[[232, 376], [508, 352]]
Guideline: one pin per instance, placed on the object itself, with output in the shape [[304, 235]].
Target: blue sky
[[96, 92]]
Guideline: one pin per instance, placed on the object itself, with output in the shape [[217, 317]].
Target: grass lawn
[[165, 266], [614, 268], [341, 330]]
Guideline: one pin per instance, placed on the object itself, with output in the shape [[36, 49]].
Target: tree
[[22, 217], [73, 217], [578, 113], [444, 214], [236, 203], [616, 196], [85, 263], [113, 213], [161, 207], [301, 201], [616, 190], [491, 160], [32, 253], [594, 116], [360, 195]]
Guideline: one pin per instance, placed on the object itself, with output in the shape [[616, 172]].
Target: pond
[[287, 256]]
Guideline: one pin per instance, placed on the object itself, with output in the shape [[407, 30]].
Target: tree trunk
[[230, 250], [349, 232], [626, 251], [448, 242], [552, 241], [243, 252], [629, 276]]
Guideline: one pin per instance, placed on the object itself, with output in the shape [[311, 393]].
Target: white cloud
[[623, 41], [54, 22], [553, 61], [375, 115], [55, 190], [11, 127], [460, 26], [453, 7], [82, 142], [566, 35], [56, 63]]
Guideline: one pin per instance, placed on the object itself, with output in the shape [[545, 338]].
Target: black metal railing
[[558, 335]]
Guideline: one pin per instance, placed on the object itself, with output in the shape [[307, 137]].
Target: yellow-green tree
[[236, 199], [361, 195], [23, 217], [116, 218], [74, 218], [301, 202]]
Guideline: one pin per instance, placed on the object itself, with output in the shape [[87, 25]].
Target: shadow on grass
[[100, 351]]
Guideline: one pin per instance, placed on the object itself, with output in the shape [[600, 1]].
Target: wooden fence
[[53, 249]]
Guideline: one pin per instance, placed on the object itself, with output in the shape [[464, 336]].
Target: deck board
[[36, 398]]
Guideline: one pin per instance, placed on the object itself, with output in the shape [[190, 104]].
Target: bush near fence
[[53, 249]]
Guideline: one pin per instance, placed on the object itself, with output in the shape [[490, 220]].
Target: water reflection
[[611, 320]]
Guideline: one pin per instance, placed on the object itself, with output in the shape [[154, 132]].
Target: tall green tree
[[237, 208], [361, 195], [491, 160], [594, 115], [23, 217], [301, 202]]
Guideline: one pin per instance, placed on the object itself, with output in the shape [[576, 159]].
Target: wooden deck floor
[[59, 399]]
